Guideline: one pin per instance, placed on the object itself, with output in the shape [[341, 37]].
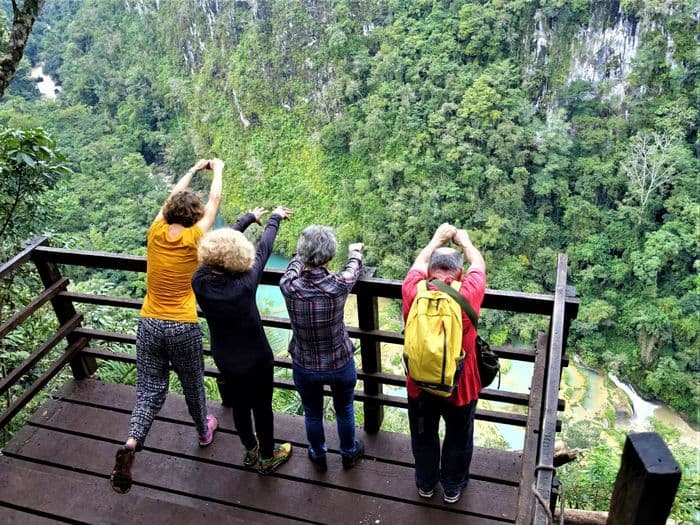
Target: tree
[[22, 23], [29, 165], [650, 165]]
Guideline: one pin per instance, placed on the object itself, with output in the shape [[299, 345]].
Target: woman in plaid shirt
[[322, 353]]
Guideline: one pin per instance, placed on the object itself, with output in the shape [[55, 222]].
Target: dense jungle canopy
[[541, 126]]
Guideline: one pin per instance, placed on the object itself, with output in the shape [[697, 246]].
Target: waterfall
[[642, 409], [46, 86]]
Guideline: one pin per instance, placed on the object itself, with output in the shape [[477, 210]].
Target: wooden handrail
[[21, 316], [512, 301], [71, 351], [552, 374], [22, 257], [40, 352]]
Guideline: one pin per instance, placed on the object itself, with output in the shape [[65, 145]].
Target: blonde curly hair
[[226, 250]]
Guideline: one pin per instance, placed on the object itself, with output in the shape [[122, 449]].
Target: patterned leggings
[[159, 343]]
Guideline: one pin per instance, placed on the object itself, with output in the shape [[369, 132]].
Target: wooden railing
[[549, 354]]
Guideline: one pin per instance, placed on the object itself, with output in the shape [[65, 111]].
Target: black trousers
[[251, 395], [450, 465]]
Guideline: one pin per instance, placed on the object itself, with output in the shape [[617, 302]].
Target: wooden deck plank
[[12, 516], [220, 483], [369, 476], [487, 464], [155, 494], [71, 499]]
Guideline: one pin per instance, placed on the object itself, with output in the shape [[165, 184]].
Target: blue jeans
[[309, 384], [451, 467]]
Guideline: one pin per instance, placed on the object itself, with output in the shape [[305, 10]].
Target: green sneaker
[[279, 456], [252, 455]]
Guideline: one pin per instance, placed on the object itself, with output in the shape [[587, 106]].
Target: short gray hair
[[316, 245], [446, 259]]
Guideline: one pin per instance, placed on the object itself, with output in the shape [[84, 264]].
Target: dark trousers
[[451, 466], [251, 393]]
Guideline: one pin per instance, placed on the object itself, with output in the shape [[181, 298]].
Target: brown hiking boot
[[121, 473]]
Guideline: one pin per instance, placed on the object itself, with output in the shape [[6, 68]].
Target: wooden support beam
[[646, 484], [526, 496], [50, 274], [371, 355], [548, 416]]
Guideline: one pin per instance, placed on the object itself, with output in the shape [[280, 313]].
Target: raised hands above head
[[202, 164], [283, 212], [258, 212], [216, 164], [461, 238], [444, 233]]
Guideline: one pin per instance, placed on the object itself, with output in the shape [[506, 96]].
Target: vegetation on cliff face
[[385, 118]]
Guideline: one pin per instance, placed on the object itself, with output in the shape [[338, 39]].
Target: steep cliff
[[541, 126]]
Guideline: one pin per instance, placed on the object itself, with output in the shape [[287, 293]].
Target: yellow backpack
[[433, 354]]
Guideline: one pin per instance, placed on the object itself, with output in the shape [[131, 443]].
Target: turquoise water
[[271, 302], [269, 298]]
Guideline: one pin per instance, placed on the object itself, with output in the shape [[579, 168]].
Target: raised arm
[[264, 250], [443, 234], [184, 182], [212, 206], [461, 239], [249, 218], [351, 272]]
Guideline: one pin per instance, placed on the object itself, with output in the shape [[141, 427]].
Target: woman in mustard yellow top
[[168, 331]]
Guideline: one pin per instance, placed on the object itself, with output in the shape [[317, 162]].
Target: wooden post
[[49, 273], [646, 483], [552, 378], [368, 319]]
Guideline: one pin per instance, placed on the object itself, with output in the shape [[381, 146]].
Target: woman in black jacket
[[224, 285]]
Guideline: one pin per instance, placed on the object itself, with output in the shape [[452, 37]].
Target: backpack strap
[[468, 309]]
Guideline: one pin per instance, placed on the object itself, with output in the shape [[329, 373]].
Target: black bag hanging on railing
[[486, 359]]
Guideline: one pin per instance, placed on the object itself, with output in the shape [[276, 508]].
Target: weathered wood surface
[[66, 452], [497, 299], [646, 483]]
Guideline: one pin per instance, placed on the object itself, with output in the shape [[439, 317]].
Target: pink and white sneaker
[[212, 424]]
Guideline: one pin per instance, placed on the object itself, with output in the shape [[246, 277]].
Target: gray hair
[[446, 259], [316, 245]]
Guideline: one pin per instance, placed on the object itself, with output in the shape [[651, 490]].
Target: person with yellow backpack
[[442, 378]]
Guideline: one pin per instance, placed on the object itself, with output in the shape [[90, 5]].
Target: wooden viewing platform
[[56, 468]]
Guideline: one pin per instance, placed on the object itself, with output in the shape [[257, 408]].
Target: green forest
[[385, 118]]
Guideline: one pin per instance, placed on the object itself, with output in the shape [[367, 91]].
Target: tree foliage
[[385, 119]]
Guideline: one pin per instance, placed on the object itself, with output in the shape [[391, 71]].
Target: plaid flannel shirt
[[316, 304]]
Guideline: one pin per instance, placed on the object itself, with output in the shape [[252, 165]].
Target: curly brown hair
[[184, 207]]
